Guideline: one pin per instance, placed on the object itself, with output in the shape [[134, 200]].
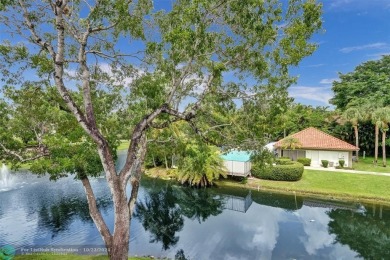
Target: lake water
[[217, 223]]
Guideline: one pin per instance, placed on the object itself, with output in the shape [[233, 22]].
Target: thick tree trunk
[[376, 143], [121, 237], [384, 148], [117, 244], [355, 127]]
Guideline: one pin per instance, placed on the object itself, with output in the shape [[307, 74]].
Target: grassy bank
[[333, 185], [124, 145], [367, 164]]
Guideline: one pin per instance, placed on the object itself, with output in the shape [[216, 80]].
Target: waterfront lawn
[[367, 164], [333, 185], [124, 145]]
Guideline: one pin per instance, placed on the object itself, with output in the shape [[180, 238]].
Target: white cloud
[[315, 225], [377, 56], [73, 74], [319, 94], [106, 68], [356, 4], [70, 73], [315, 65], [338, 3], [372, 46], [328, 81]]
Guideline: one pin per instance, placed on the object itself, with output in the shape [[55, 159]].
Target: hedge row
[[304, 161], [281, 172], [283, 161]]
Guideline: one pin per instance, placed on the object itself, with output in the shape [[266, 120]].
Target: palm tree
[[353, 115], [381, 119], [384, 127], [200, 165], [291, 143]]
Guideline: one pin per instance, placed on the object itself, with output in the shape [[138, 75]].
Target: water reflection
[[59, 216], [184, 223], [163, 210], [159, 215], [366, 233], [199, 204]]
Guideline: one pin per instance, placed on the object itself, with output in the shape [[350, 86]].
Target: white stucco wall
[[332, 156]]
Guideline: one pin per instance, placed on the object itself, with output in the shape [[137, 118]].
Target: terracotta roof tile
[[315, 139]]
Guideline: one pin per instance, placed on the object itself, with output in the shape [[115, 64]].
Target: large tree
[[365, 89], [161, 65], [368, 84]]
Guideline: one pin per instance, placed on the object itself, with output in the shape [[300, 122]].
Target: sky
[[355, 31]]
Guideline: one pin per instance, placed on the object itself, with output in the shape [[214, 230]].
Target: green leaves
[[191, 55], [200, 165], [367, 85]]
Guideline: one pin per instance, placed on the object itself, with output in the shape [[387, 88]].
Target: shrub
[[325, 163], [283, 161], [341, 163], [281, 172], [257, 170], [305, 161]]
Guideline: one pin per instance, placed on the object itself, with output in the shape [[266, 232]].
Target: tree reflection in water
[[161, 213], [58, 216], [368, 234], [199, 203]]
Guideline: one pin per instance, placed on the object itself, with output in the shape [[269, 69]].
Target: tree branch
[[34, 33], [20, 157], [96, 215], [136, 175]]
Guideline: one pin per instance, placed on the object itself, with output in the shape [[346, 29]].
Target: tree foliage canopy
[[115, 63], [367, 85]]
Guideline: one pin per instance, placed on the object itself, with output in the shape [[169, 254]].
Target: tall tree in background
[[381, 119], [353, 115], [368, 84], [366, 87], [173, 68]]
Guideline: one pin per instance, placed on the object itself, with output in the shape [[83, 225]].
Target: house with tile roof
[[316, 145]]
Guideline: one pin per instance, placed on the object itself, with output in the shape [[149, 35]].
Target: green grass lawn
[[124, 145], [367, 164], [333, 185]]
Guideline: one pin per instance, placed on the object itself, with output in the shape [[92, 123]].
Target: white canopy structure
[[237, 163]]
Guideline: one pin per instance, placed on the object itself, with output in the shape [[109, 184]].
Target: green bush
[[325, 163], [341, 163], [283, 161], [256, 170], [304, 161], [281, 172]]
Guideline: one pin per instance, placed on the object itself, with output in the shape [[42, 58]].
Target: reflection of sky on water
[[263, 232], [235, 235], [316, 239]]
